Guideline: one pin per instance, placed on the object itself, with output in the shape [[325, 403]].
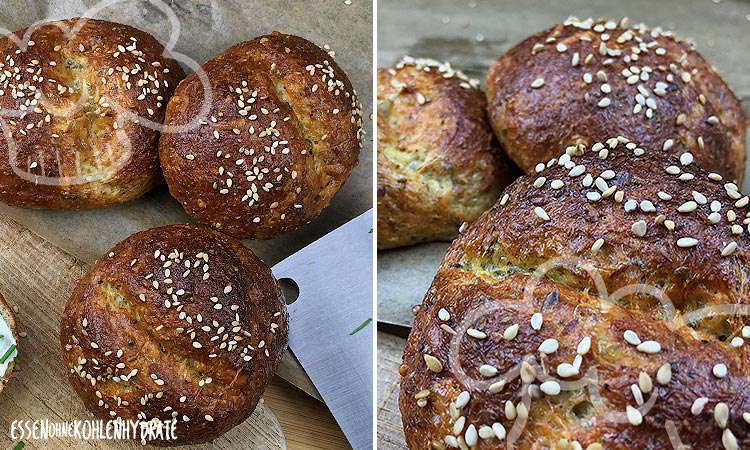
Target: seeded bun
[[7, 314], [438, 163], [591, 286], [175, 322], [70, 147], [571, 85], [281, 137]]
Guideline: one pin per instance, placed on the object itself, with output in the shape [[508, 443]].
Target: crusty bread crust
[[282, 135], [70, 148], [176, 322], [694, 107], [438, 163], [653, 221]]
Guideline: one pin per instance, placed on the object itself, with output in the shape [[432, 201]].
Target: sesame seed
[[649, 347], [462, 399], [551, 387], [687, 207], [476, 333], [566, 370], [686, 158], [536, 321], [631, 338], [634, 416], [444, 315], [511, 332], [687, 242], [729, 249], [644, 382], [639, 228], [584, 346], [604, 102], [698, 405], [433, 363], [597, 245], [541, 213], [720, 370], [487, 370], [497, 387], [536, 84], [729, 441], [664, 374], [548, 346], [721, 414]]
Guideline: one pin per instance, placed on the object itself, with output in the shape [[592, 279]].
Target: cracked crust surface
[[175, 322], [67, 145], [281, 136], [657, 223]]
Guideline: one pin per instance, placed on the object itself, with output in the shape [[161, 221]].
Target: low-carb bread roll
[[438, 163], [281, 136], [586, 80], [601, 303], [83, 100], [179, 322]]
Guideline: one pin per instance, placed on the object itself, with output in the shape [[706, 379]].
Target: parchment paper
[[207, 27], [472, 34]]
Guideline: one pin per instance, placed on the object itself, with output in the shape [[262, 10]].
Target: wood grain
[[36, 279], [390, 433]]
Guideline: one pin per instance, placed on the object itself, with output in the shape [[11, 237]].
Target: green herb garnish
[[7, 353], [359, 328], [19, 445]]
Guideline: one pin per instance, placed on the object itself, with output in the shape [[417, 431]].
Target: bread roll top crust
[[282, 133], [608, 290], [78, 93], [176, 322], [586, 81]]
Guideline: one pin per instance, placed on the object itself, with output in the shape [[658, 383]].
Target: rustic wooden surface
[[390, 434], [472, 34], [36, 278]]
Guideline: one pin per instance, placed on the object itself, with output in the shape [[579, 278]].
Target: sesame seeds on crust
[[283, 133], [178, 322]]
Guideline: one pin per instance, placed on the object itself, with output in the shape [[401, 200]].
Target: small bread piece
[[79, 139], [8, 341], [175, 322], [282, 135], [599, 306], [438, 163], [585, 81]]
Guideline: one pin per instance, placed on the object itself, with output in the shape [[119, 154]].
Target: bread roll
[[611, 289], [282, 135], [179, 322], [78, 96], [438, 162], [585, 81]]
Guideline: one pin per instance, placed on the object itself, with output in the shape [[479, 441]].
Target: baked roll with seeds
[[83, 100], [179, 322], [281, 136], [584, 81], [599, 304], [438, 163]]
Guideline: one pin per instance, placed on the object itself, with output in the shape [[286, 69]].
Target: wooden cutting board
[[36, 278]]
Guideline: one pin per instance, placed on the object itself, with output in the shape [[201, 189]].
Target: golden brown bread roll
[[438, 163], [179, 322], [599, 304], [71, 140], [281, 137], [585, 81]]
